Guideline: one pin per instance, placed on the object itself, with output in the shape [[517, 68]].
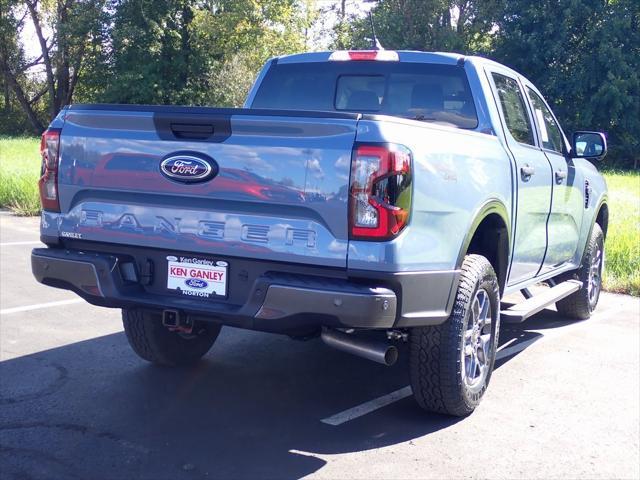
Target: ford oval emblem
[[196, 283], [189, 167]]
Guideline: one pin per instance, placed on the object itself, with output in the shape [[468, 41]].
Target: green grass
[[20, 166], [19, 172], [622, 273]]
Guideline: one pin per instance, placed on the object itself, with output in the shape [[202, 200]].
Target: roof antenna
[[375, 44]]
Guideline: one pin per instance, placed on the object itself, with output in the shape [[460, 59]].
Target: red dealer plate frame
[[197, 277]]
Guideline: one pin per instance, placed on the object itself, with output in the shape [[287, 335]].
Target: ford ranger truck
[[366, 197]]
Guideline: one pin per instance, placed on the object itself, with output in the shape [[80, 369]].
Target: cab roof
[[404, 56]]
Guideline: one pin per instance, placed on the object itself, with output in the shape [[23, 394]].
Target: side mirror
[[591, 145]]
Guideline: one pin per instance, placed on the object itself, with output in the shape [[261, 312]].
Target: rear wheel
[[581, 304], [155, 343], [451, 364]]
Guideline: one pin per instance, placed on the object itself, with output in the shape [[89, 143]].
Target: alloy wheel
[[476, 351]]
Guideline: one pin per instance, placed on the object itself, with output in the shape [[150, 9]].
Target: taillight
[[48, 183], [380, 55], [380, 191]]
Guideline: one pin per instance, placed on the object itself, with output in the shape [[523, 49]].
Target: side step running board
[[520, 312]]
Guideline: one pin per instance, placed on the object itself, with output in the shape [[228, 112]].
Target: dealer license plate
[[197, 277]]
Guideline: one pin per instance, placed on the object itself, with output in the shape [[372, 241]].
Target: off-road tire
[[155, 343], [436, 361], [578, 305]]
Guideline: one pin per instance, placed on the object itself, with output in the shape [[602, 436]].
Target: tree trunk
[[54, 107], [187, 17], [62, 73], [7, 98], [74, 77], [21, 97]]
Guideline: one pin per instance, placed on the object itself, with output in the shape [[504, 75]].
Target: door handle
[[560, 175], [526, 171]]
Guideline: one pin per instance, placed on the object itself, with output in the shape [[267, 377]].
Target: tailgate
[[275, 187]]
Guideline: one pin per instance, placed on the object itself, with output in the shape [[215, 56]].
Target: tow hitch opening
[[176, 321]]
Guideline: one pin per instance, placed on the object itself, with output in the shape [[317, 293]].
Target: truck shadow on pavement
[[251, 409]]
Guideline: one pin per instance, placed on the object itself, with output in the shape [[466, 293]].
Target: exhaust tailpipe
[[374, 350]]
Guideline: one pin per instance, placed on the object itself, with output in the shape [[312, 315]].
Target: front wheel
[[451, 364], [579, 305]]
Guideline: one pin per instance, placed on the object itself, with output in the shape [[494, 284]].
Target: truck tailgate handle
[[200, 127], [527, 170], [192, 130]]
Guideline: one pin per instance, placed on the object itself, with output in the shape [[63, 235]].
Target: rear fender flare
[[492, 206]]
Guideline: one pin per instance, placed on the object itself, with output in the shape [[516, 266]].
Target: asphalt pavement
[[75, 401]]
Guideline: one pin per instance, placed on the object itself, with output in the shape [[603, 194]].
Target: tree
[[193, 52], [584, 55], [63, 29], [13, 65], [427, 25], [241, 35]]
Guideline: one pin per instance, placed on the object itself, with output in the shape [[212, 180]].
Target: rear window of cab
[[420, 91]]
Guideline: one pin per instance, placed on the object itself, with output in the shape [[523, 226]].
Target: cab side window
[[513, 107], [549, 129]]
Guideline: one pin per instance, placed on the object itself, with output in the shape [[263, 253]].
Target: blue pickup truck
[[366, 197]]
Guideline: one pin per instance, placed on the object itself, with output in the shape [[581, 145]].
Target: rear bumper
[[273, 301]]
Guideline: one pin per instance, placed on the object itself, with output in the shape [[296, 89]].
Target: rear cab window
[[420, 91]]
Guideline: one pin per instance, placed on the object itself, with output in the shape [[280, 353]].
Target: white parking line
[[367, 407], [383, 401], [37, 306], [389, 398], [10, 244]]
